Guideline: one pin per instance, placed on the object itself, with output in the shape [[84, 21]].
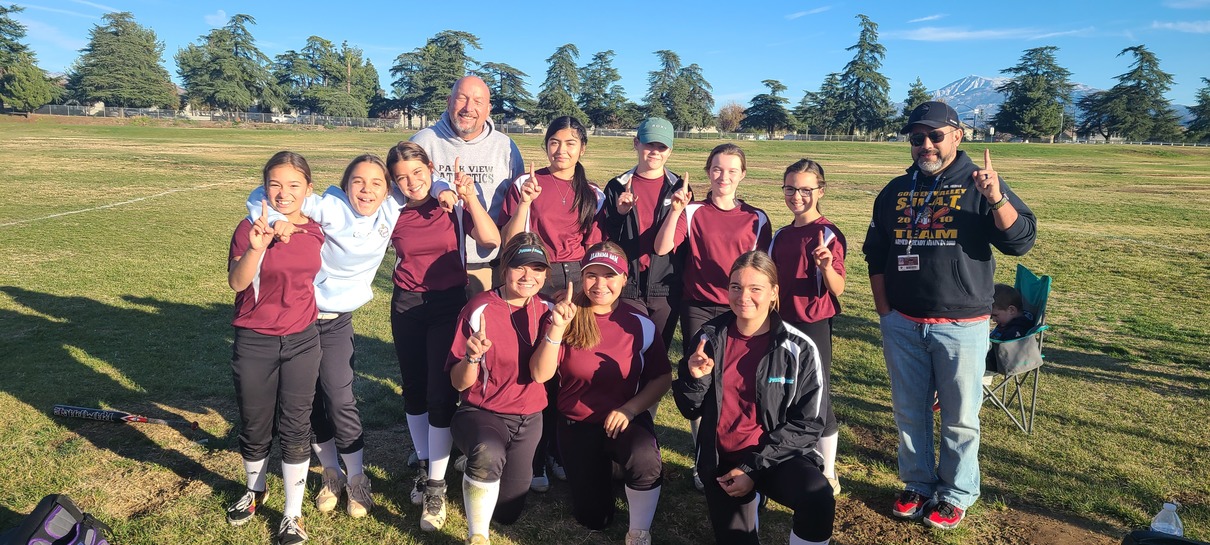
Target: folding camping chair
[[1013, 364]]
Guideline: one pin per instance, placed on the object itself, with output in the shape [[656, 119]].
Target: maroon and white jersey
[[429, 250], [553, 216], [804, 297], [646, 203], [594, 381], [504, 384], [281, 298], [716, 238], [738, 429]]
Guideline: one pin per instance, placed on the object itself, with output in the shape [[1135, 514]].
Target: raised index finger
[[570, 288], [701, 345], [987, 159], [457, 169], [482, 325], [264, 211]]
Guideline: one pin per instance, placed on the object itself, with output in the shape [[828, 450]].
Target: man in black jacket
[[929, 249]]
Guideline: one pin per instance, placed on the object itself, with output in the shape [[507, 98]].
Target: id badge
[[910, 262]]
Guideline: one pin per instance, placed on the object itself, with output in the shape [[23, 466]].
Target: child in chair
[[1009, 314]]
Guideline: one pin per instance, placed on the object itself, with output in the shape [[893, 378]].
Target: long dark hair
[[586, 199], [298, 162]]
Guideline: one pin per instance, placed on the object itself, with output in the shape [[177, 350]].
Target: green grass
[[126, 305]]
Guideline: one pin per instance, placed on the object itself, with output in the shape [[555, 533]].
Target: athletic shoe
[[460, 463], [910, 505], [477, 539], [945, 516], [244, 508], [291, 532], [697, 481], [556, 470], [539, 483], [433, 515], [360, 500], [413, 460], [329, 493], [835, 484], [422, 478], [638, 537]]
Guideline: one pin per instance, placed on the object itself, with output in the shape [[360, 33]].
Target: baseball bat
[[116, 416]]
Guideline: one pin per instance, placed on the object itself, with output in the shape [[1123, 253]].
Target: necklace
[[512, 319], [562, 194]]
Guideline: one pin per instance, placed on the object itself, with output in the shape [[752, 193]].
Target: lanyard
[[916, 220]]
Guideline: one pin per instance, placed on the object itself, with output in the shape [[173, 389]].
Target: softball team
[[473, 372]]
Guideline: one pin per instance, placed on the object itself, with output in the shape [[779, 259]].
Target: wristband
[[1000, 203], [474, 361], [551, 341]]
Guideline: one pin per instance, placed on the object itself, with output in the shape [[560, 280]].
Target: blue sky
[[738, 44]]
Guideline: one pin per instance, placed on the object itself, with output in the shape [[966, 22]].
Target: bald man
[[489, 157]]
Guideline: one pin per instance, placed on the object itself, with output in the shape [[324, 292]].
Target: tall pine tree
[[1038, 95], [122, 66], [562, 84], [226, 70], [865, 104], [510, 99], [1199, 129], [767, 111], [23, 86]]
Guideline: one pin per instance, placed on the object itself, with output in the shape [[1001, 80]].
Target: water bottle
[[1167, 522]]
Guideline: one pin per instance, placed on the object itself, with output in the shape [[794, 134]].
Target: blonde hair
[[583, 331]]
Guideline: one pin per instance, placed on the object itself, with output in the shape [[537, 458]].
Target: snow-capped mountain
[[979, 93]]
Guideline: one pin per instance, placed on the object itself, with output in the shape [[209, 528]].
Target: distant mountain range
[[979, 93]]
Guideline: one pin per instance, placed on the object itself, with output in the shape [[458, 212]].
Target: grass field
[[113, 242]]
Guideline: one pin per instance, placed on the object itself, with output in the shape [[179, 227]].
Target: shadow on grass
[[147, 356]]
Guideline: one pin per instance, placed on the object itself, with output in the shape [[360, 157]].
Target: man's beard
[[930, 167]]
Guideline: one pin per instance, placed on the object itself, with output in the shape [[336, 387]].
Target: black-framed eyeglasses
[[805, 192], [917, 139]]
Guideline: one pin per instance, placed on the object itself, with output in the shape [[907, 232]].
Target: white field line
[[122, 203]]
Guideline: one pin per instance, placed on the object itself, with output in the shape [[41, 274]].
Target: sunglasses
[[917, 139]]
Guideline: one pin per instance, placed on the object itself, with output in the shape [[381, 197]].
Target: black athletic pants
[[821, 333], [589, 455], [796, 483], [422, 324], [274, 386], [499, 447], [334, 414]]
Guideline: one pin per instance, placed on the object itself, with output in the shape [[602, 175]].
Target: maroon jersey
[[553, 216], [281, 298], [716, 238], [504, 384], [738, 429], [594, 381], [804, 297], [646, 203], [429, 251]]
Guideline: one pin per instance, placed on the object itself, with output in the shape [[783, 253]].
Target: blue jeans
[[947, 359]]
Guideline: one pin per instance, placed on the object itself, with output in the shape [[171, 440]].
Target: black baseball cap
[[529, 254], [932, 114]]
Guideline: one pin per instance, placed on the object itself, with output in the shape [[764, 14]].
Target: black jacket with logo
[[664, 272], [789, 397], [953, 234]]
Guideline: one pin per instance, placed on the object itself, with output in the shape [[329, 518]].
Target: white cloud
[[929, 18], [101, 7], [217, 19], [960, 34], [798, 14], [60, 11], [1187, 4], [54, 36], [1194, 27]]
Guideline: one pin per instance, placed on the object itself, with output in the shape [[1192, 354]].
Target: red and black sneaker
[[946, 516], [245, 507], [910, 504]]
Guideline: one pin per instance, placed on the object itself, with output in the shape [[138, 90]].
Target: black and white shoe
[[291, 531], [244, 508]]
